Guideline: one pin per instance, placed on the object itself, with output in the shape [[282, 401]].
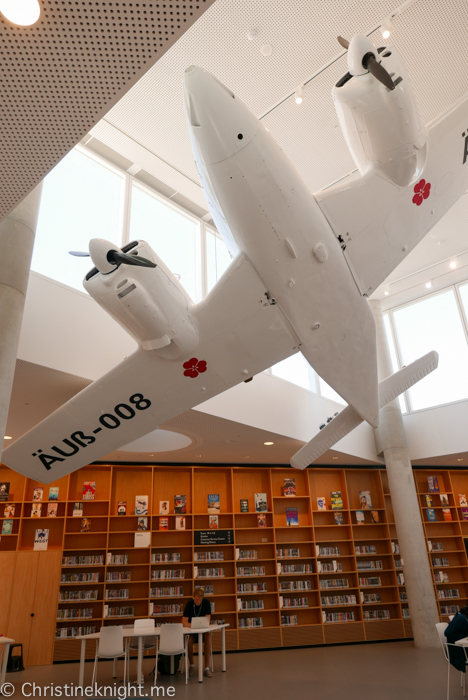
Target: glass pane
[[172, 235], [217, 257], [81, 199], [296, 369], [328, 393], [464, 297], [435, 324], [393, 357]]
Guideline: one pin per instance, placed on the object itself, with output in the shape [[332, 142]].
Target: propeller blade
[[343, 42], [379, 72], [78, 254], [117, 258]]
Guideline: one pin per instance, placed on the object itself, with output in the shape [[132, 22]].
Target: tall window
[[328, 393], [296, 369], [434, 324], [81, 199], [217, 257], [174, 236]]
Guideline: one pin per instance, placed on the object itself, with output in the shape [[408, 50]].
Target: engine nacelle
[[148, 302], [382, 127]]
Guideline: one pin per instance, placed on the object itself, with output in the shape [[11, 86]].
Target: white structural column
[[17, 233], [391, 441]]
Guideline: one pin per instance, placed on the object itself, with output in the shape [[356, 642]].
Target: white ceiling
[[148, 123]]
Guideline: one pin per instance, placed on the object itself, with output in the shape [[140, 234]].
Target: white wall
[[438, 431]]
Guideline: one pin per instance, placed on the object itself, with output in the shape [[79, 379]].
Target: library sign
[[214, 536]]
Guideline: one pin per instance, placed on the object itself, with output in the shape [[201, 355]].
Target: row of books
[[294, 602], [372, 581], [64, 632], [169, 609], [328, 566], [443, 593], [246, 554], [291, 553], [365, 549], [245, 622], [445, 501], [112, 576], [440, 561], [329, 617], [170, 592], [84, 560], [250, 571], [215, 572], [441, 577], [334, 583], [252, 587], [128, 611], [288, 620], [209, 556], [338, 600], [369, 615], [113, 593], [64, 596], [368, 565], [74, 613], [294, 568], [327, 551], [157, 574], [165, 557], [80, 578], [250, 604]]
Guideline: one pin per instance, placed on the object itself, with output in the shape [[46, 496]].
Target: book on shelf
[[444, 499], [213, 503], [143, 539], [289, 488], [36, 509], [38, 493], [261, 504], [431, 514], [261, 520], [53, 493], [141, 505], [122, 508], [244, 505], [9, 511], [365, 501], [336, 500], [339, 519], [447, 513], [321, 503], [180, 504], [462, 499], [428, 499], [7, 527], [180, 522], [374, 516], [433, 484], [52, 509], [4, 490], [360, 517], [89, 490], [213, 522], [464, 512], [164, 523], [292, 517], [85, 525], [142, 522], [41, 540], [77, 510], [163, 507]]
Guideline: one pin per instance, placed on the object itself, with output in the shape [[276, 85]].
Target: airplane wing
[[380, 223], [240, 333]]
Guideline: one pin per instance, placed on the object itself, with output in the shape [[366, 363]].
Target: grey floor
[[394, 671]]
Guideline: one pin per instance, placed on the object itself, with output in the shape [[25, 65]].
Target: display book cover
[[360, 517], [52, 509], [38, 493], [85, 525], [261, 504], [164, 523], [53, 493], [36, 510], [9, 511], [77, 509], [163, 507], [142, 522], [180, 504], [213, 522], [4, 490], [261, 520], [444, 499], [292, 517], [213, 503], [141, 505], [244, 505], [122, 508], [41, 539], [336, 500], [431, 514], [142, 539], [7, 527], [433, 484], [365, 501], [289, 488], [180, 522], [89, 490]]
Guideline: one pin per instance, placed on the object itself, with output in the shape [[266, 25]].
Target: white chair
[[147, 642], [172, 641], [110, 645]]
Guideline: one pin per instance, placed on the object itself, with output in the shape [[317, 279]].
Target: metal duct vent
[[59, 77]]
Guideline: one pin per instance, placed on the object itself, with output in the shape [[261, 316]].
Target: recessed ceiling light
[[299, 94], [428, 285], [386, 292], [21, 12], [386, 29], [334, 457], [266, 49], [453, 265], [197, 455], [8, 437], [151, 455], [246, 456], [460, 459], [268, 443]]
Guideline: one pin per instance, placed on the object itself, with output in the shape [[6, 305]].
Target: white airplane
[[307, 264]]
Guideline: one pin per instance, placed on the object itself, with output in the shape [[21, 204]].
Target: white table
[[141, 632], [5, 642]]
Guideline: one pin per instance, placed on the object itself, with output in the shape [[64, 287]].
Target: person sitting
[[457, 629], [199, 606]]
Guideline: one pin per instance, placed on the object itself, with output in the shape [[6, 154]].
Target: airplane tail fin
[[348, 419]]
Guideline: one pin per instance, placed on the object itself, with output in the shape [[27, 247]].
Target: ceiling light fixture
[[299, 94], [7, 437], [386, 29], [266, 49], [334, 457], [268, 443], [21, 12], [460, 459], [428, 285], [453, 264], [386, 292]]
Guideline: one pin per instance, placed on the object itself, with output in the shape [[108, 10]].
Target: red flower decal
[[193, 367], [422, 191]]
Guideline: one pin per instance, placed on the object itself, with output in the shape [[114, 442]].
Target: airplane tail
[[348, 419]]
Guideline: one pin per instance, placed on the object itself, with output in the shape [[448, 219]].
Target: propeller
[[362, 53], [117, 258]]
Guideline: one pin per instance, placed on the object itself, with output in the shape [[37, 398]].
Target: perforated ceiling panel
[[59, 77]]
